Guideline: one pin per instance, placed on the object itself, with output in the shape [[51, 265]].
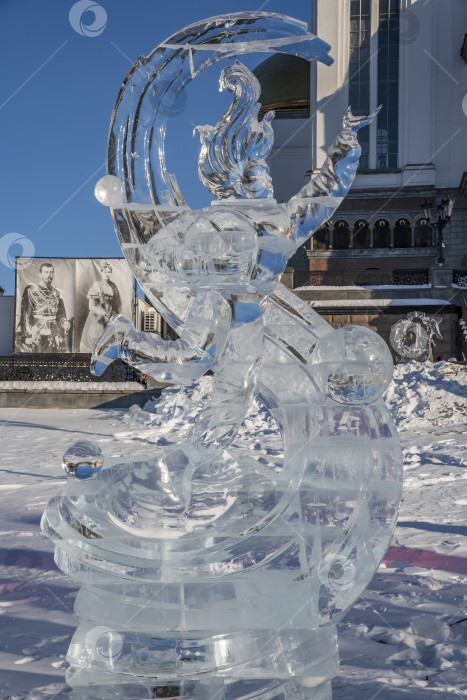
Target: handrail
[[360, 278], [62, 367]]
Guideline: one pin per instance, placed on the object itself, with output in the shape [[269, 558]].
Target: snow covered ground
[[405, 638]]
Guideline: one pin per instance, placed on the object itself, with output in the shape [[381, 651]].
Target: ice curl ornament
[[222, 575]]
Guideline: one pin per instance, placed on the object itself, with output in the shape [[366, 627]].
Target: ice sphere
[[82, 459], [353, 365], [109, 191]]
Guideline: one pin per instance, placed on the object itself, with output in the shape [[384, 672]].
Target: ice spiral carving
[[219, 575]]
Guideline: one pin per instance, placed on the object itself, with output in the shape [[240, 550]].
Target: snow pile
[[177, 402], [176, 405], [137, 415], [422, 395], [169, 419], [425, 394]]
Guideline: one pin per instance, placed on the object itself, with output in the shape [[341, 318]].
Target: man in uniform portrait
[[43, 324]]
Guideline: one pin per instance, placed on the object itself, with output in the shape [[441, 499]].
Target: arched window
[[361, 234], [402, 234], [382, 234], [341, 235], [423, 234], [321, 239]]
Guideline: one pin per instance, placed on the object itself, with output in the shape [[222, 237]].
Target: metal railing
[[59, 368], [459, 277], [360, 278]]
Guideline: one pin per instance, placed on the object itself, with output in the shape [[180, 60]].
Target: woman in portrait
[[104, 302]]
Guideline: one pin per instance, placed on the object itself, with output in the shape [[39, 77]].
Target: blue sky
[[57, 93]]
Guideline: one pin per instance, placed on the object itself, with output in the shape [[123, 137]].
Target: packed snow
[[424, 395], [49, 386], [405, 638]]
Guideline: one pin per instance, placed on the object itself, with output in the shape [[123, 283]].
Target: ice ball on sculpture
[[82, 460], [109, 191], [353, 365]]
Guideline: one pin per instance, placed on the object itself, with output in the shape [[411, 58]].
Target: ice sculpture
[[413, 337], [206, 573]]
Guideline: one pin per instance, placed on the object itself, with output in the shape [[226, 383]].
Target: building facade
[[409, 56], [406, 56]]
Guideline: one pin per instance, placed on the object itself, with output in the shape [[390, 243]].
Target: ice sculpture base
[[207, 689], [227, 576], [270, 664], [160, 618]]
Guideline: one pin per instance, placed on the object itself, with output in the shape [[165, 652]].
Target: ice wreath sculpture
[[205, 573], [413, 337]]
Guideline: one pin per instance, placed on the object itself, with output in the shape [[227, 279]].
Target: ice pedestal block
[[206, 573], [315, 688]]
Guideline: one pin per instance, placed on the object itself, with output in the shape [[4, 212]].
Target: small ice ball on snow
[[109, 191], [353, 365], [82, 459]]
